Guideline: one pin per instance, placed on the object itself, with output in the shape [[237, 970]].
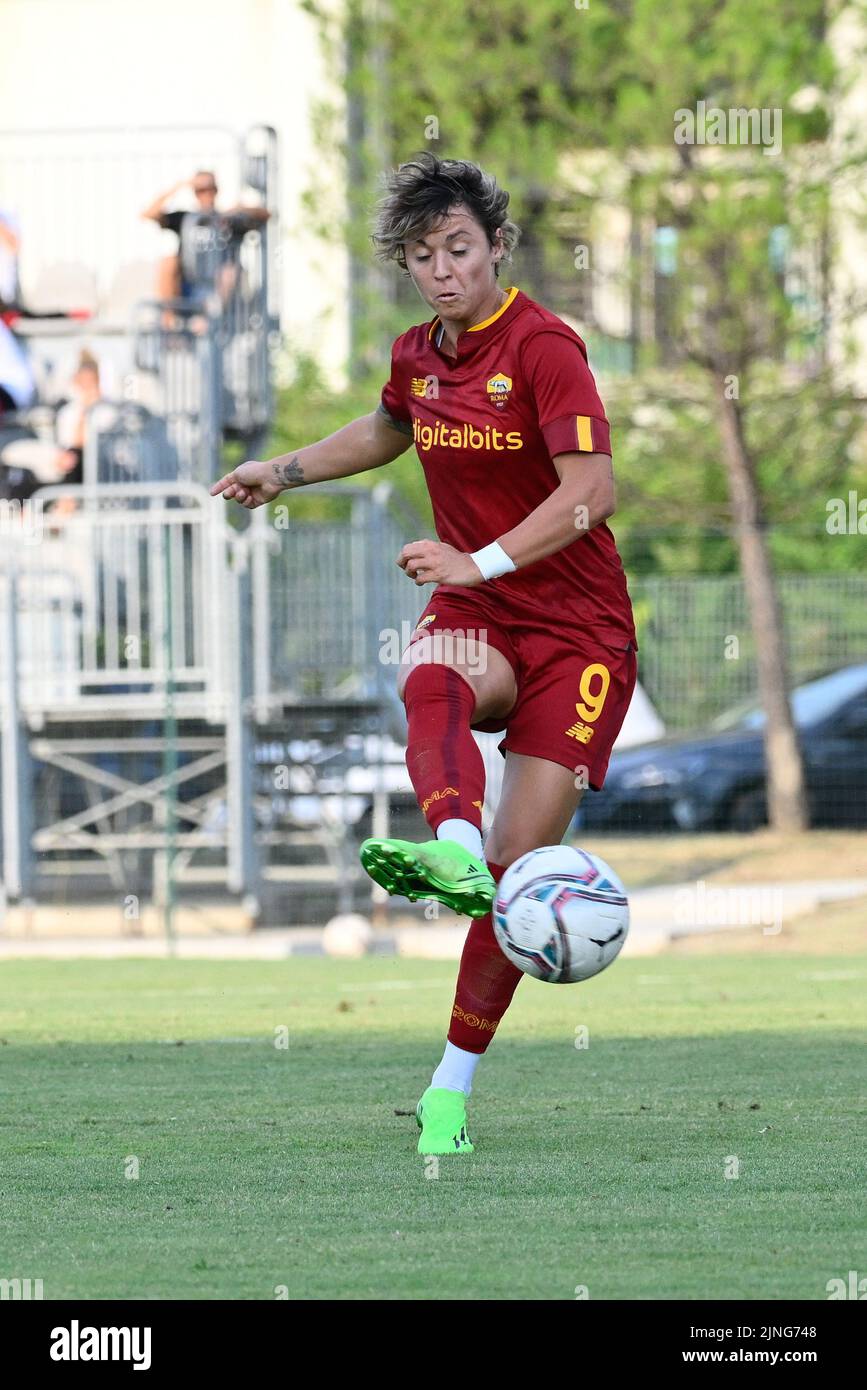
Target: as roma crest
[[498, 388]]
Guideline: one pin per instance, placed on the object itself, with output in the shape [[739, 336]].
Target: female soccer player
[[529, 628]]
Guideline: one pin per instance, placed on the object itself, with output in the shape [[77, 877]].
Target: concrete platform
[[658, 916]]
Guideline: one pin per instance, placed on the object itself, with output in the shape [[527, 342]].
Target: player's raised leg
[[538, 800], [443, 698]]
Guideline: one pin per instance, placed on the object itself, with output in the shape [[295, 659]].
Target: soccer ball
[[560, 914]]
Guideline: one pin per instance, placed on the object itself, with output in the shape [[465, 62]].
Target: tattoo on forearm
[[289, 474]]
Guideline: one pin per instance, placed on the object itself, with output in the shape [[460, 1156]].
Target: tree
[[727, 301], [539, 91]]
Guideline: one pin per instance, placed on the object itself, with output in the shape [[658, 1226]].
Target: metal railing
[[202, 363], [102, 177], [356, 606], [176, 344], [228, 271], [125, 690], [132, 446], [208, 358], [697, 655], [130, 610], [108, 580]]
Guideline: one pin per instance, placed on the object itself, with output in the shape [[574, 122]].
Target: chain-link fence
[[697, 653], [698, 666]]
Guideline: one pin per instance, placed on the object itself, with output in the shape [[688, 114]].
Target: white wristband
[[493, 561]]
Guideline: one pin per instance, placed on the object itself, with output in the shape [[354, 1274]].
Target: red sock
[[443, 759], [486, 982]]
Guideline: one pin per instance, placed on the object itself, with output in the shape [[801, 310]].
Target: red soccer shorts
[[573, 691]]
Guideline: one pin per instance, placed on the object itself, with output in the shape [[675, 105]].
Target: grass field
[[262, 1166]]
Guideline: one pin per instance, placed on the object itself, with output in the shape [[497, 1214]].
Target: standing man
[[234, 223]]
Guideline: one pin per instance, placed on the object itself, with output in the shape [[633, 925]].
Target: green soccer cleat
[[440, 869], [442, 1119]]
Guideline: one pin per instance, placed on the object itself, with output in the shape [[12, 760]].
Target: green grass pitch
[[266, 1170]]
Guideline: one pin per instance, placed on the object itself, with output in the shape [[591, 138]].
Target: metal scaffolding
[[143, 625]]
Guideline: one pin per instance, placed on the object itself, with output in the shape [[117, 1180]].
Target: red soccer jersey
[[486, 425]]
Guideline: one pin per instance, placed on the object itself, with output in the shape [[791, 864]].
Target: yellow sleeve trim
[[585, 434]]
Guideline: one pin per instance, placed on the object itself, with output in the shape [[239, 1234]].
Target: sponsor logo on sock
[[438, 796], [473, 1020]]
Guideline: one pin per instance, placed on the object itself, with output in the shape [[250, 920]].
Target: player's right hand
[[252, 484]]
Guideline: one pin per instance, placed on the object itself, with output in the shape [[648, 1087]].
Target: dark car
[[717, 780]]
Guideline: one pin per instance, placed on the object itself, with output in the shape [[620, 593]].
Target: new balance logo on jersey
[[424, 386]]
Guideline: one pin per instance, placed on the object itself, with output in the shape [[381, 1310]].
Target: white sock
[[465, 833], [455, 1071]]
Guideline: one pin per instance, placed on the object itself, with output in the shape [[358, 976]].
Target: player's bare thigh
[[487, 670], [537, 803]]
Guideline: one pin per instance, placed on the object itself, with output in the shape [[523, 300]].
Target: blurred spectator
[[30, 463], [10, 245], [17, 391], [233, 225], [72, 418], [17, 384]]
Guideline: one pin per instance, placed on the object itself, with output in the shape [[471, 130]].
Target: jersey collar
[[472, 338]]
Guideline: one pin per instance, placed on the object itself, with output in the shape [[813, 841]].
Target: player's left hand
[[434, 562]]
